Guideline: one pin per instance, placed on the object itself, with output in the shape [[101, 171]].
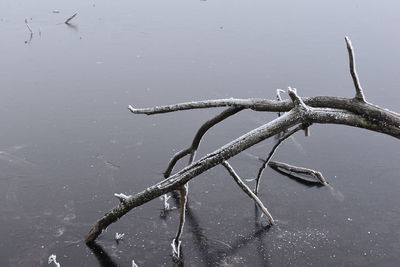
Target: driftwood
[[294, 114]]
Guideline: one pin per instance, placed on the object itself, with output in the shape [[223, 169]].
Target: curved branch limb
[[290, 168], [272, 152], [359, 91], [175, 159], [197, 139], [247, 190]]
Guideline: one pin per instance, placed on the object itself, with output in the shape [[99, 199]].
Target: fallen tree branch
[[290, 119], [299, 112]]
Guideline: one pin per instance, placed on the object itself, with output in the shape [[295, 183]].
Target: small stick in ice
[[27, 25], [53, 258], [70, 18], [119, 236]]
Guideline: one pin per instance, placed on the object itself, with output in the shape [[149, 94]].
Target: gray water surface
[[68, 142]]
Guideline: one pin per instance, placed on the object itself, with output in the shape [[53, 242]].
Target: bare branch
[[316, 174], [359, 91], [70, 18], [272, 152], [247, 190]]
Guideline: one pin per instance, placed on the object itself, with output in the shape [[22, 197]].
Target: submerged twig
[[290, 168], [70, 18]]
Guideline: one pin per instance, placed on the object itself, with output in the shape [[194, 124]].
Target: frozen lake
[[68, 142]]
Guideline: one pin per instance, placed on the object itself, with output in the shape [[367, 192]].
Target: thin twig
[[359, 90], [247, 190], [70, 18], [290, 168], [272, 152]]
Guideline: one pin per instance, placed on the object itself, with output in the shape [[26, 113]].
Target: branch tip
[[131, 109], [359, 91], [122, 197]]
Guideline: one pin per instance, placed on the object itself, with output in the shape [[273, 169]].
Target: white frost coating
[[122, 197], [134, 264], [53, 258], [119, 236], [176, 250], [278, 94]]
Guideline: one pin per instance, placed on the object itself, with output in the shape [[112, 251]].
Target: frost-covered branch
[[366, 110]]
